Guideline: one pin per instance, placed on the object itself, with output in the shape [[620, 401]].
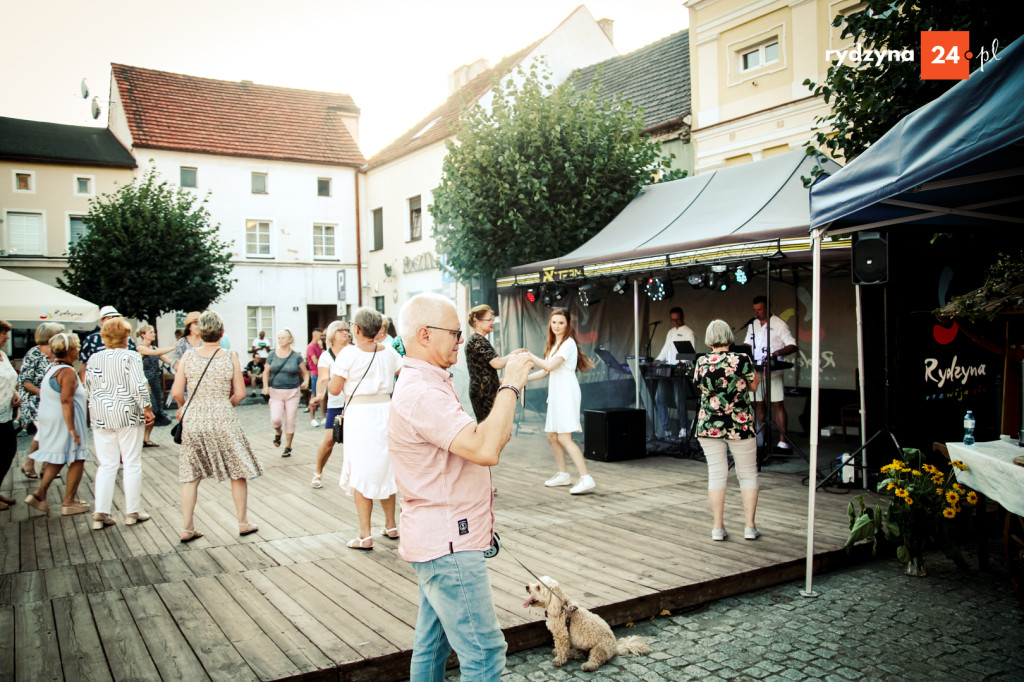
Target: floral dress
[[723, 380], [33, 367], [483, 379], [213, 444]]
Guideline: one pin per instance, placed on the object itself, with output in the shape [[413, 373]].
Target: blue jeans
[[456, 611]]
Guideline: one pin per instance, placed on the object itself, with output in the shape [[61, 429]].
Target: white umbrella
[[23, 299]]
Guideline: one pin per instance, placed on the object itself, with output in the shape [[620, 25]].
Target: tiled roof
[[655, 77], [435, 125], [187, 113], [41, 142]]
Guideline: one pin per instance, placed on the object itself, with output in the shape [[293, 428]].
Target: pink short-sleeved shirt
[[313, 353], [447, 504]]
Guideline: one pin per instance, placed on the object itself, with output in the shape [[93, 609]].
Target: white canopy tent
[[26, 300]]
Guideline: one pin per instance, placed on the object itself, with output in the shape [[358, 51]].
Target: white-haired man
[[441, 459]]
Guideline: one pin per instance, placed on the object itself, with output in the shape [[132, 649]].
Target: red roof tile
[[186, 113], [435, 125]]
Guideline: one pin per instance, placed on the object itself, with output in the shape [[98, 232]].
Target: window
[[24, 182], [76, 229], [84, 185], [323, 241], [415, 220], [378, 304], [189, 177], [25, 234], [260, 318], [257, 238], [378, 229], [759, 56], [323, 187], [259, 183]]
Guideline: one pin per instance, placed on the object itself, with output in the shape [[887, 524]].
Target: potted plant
[[920, 514]]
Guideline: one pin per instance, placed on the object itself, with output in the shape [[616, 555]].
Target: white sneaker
[[314, 423], [561, 478], [585, 484], [682, 432], [751, 533], [718, 534], [783, 445]]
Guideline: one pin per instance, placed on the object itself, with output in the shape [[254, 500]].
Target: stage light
[[531, 295], [620, 286], [719, 279], [741, 274], [548, 297], [659, 288], [696, 280], [586, 291]]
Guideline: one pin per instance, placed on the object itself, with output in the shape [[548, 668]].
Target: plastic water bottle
[[969, 428]]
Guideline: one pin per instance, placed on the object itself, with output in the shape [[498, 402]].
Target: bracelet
[[519, 393]]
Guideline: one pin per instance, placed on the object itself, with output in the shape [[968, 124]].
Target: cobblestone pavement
[[869, 622]]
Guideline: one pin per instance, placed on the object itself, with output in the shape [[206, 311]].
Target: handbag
[[338, 429], [176, 429]]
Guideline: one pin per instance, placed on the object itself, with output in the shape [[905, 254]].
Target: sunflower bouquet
[[926, 501]]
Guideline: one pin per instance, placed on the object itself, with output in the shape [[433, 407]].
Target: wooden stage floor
[[293, 602]]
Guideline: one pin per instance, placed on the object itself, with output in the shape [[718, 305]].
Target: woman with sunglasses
[[562, 360], [365, 373], [483, 362]]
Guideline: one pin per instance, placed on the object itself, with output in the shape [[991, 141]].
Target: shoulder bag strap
[[198, 382], [372, 358]]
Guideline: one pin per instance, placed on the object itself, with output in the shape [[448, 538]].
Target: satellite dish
[[95, 107], [85, 89]]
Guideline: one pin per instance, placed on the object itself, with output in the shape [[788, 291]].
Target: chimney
[[458, 78], [608, 26]]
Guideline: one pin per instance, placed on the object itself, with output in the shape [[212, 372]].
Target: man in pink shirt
[[441, 459], [313, 352]]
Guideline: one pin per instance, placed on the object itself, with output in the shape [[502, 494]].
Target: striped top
[[118, 391]]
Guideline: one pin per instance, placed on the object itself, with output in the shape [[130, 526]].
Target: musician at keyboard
[[781, 344], [667, 356]]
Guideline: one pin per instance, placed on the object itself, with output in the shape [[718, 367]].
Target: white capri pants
[[112, 447], [744, 454]]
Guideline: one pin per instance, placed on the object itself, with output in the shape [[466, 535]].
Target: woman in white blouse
[[119, 409]]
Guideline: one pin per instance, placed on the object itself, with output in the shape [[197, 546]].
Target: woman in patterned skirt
[[213, 444], [725, 424]]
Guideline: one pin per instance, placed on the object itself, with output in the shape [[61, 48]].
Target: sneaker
[[585, 484], [561, 478], [750, 533], [314, 423], [783, 445], [718, 534], [682, 433]]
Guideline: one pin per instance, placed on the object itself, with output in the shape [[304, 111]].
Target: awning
[[742, 212], [26, 300], [957, 160]]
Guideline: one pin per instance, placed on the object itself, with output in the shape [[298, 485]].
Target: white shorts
[[778, 391]]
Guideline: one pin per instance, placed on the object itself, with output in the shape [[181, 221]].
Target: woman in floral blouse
[[725, 425]]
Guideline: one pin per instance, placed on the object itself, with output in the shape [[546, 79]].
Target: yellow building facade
[[748, 64]]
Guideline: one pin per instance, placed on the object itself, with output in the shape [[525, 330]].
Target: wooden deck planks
[[80, 652], [172, 654]]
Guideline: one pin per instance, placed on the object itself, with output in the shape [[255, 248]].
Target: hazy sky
[[392, 56]]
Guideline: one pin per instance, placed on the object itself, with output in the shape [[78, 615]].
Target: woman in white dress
[[562, 360], [366, 373], [338, 337]]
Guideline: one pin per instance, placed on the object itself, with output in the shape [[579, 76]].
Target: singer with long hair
[[562, 360]]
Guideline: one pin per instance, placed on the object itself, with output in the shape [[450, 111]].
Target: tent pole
[[860, 392], [636, 342], [815, 388]]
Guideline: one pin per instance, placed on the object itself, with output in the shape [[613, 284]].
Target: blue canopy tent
[[957, 160]]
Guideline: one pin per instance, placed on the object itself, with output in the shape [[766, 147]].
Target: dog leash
[[497, 543]]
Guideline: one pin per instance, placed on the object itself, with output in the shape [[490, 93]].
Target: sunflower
[[890, 486], [959, 465], [959, 488], [949, 512], [937, 479], [939, 491], [900, 492], [952, 496], [910, 500], [915, 472], [972, 497], [886, 469]]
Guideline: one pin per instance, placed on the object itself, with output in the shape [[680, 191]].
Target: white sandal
[[316, 481], [386, 532], [360, 543]]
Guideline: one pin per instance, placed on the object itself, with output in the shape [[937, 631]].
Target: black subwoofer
[[614, 434], [870, 258]]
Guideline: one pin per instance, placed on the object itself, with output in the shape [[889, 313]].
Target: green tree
[[539, 173], [149, 250], [868, 98]]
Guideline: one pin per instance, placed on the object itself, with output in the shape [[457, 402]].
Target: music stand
[[611, 362], [685, 352]]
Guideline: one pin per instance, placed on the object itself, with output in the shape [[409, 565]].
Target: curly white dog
[[577, 631]]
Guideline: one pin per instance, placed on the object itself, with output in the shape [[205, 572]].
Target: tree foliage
[[149, 250], [539, 173], [869, 98]]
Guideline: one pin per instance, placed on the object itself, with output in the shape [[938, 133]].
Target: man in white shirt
[[667, 356], [782, 343]]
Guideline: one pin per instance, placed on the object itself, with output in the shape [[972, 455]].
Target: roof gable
[[42, 142], [655, 77], [187, 113]]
